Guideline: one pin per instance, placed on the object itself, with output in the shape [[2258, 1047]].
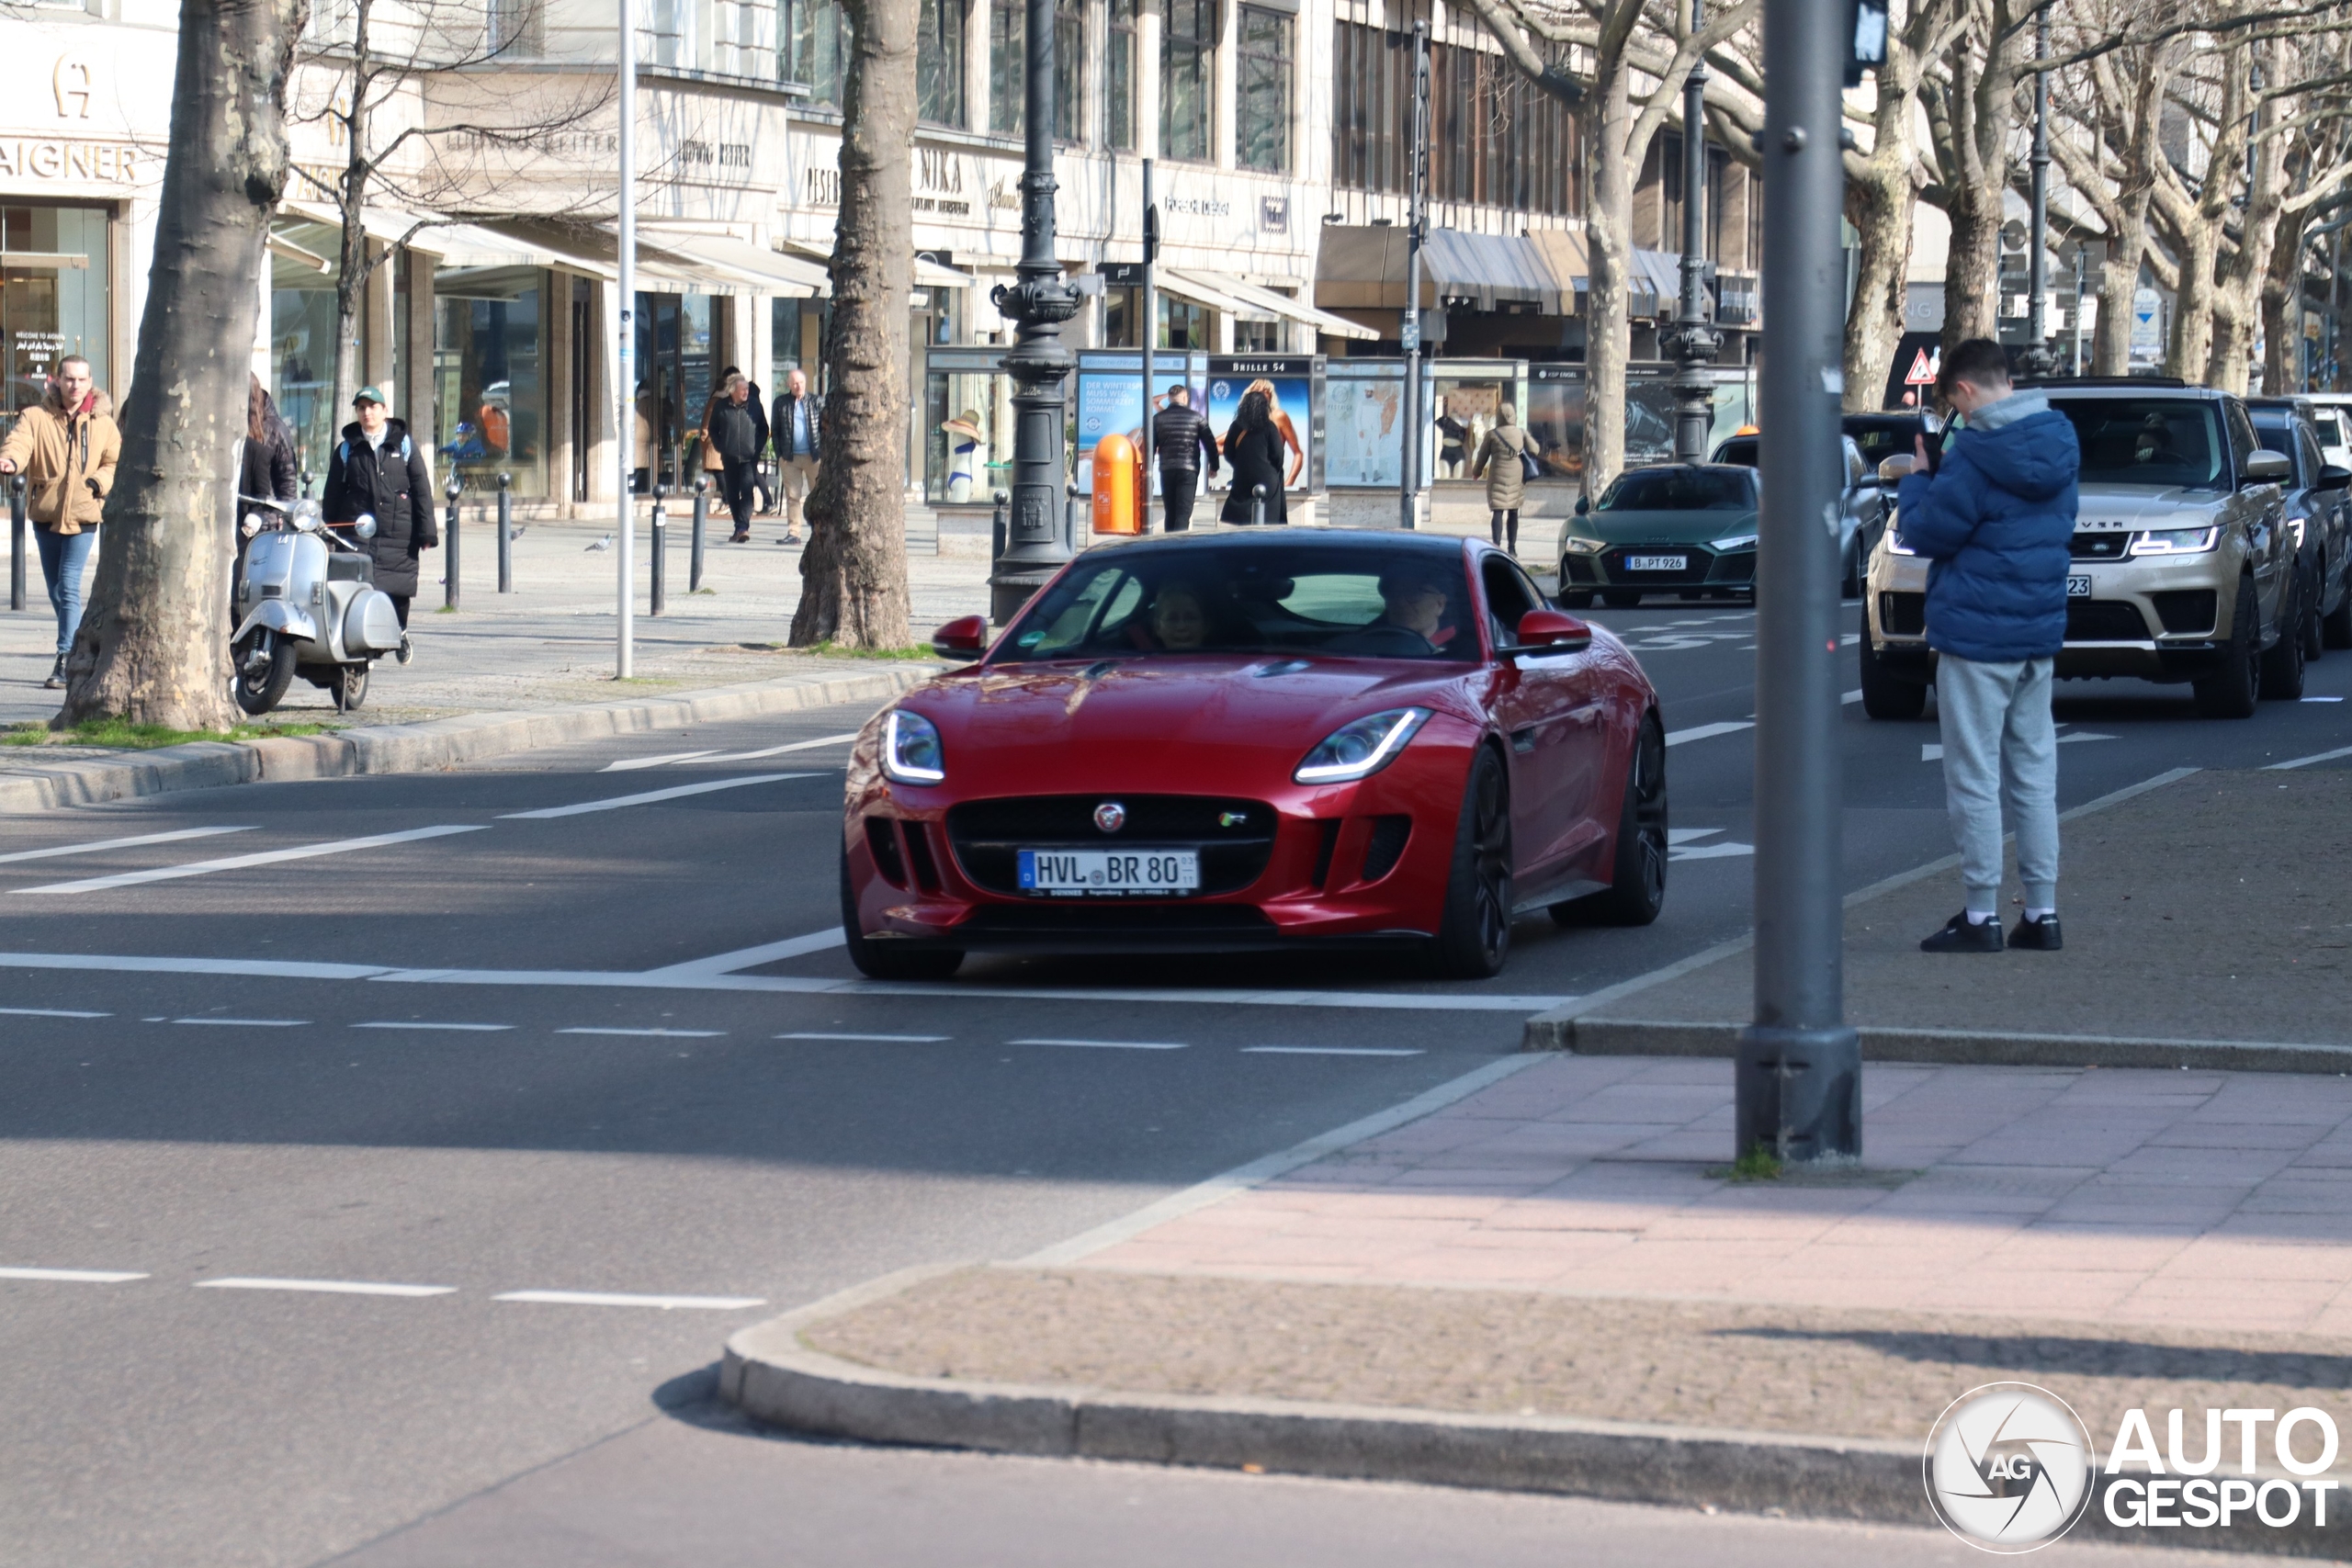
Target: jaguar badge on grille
[[1110, 816]]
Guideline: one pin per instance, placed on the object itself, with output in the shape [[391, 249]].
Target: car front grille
[[2104, 620], [1903, 614], [1235, 838], [2108, 545]]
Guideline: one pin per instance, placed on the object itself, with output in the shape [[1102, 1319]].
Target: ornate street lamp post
[[1039, 302], [2037, 359], [1691, 342]]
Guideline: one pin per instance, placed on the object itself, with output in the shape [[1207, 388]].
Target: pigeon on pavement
[[604, 544]]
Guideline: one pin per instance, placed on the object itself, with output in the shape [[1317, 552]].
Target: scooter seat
[[344, 565]]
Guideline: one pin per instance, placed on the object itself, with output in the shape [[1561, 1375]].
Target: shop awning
[[1187, 286], [1363, 269], [773, 272], [929, 274], [1268, 302]]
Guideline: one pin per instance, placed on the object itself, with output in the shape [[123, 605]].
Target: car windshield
[[1679, 489], [2149, 441], [2330, 429], [1366, 602]]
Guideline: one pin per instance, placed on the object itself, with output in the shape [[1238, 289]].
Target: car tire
[[1851, 587], [2335, 627], [1621, 598], [2283, 664], [2314, 640], [2234, 689], [886, 961], [1885, 694], [1474, 933], [1637, 890], [1581, 598]]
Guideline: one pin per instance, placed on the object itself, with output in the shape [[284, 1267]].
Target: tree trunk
[[1608, 335], [1971, 269], [2282, 310], [153, 648], [351, 202], [853, 574], [2119, 295], [2189, 350], [1879, 205]]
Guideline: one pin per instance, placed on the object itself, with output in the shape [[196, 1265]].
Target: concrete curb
[[771, 1375], [1652, 1037], [420, 748]]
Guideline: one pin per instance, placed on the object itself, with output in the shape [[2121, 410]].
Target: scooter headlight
[[307, 516]]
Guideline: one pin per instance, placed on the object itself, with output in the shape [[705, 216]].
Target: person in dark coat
[[735, 430], [265, 460], [1253, 448], [378, 469], [1181, 441]]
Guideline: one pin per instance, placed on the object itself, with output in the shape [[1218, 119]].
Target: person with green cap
[[379, 470]]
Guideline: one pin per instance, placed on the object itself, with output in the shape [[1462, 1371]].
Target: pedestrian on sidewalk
[[733, 437], [1501, 463], [798, 426], [1181, 441], [1254, 447], [66, 446], [376, 470], [1994, 522]]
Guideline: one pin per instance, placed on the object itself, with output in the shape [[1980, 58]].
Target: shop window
[[1257, 337], [1188, 79], [1264, 66], [967, 428], [820, 49], [1119, 77], [53, 299], [489, 378], [939, 62], [797, 337], [1184, 324]]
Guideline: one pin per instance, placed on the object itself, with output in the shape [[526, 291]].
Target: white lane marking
[[2083, 734], [2307, 761], [616, 1298], [132, 964], [2322, 699], [885, 1039], [1849, 640], [1850, 697], [793, 746], [326, 1287], [72, 1276], [249, 1023], [752, 957], [238, 863], [675, 792], [1930, 752], [1327, 1051], [1710, 851], [102, 844], [1109, 1045], [51, 1013], [1708, 731], [420, 1024], [1685, 835], [630, 763], [658, 1033]]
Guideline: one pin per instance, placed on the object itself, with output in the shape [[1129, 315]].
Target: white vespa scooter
[[307, 604]]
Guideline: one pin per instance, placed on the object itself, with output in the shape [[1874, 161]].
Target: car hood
[[1165, 724], [2143, 507], [1663, 527]]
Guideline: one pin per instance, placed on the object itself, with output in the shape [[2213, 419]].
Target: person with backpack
[[1504, 458], [378, 471]]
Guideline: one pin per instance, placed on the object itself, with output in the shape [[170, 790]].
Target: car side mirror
[[1583, 505], [1551, 631], [1895, 469], [963, 639], [2266, 468], [2331, 477]]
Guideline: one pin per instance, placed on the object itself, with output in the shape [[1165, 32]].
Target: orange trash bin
[[1118, 486]]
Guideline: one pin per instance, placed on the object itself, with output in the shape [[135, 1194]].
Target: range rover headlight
[[2177, 541], [911, 749], [1895, 547], [1361, 748]]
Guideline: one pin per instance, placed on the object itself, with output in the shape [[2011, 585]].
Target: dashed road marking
[[676, 792], [325, 1287], [629, 763], [248, 1022], [421, 1023], [1109, 1045], [1327, 1050], [238, 863], [2307, 761], [1708, 731], [51, 1013], [72, 1276], [616, 1299], [655, 1034], [792, 745], [104, 844], [883, 1038]]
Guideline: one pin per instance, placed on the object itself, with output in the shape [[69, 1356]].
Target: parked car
[[1273, 738], [2182, 566], [2319, 515], [2331, 417], [1863, 502], [1686, 529]]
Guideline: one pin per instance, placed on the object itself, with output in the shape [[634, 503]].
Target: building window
[[1070, 70], [1119, 77], [1008, 47], [1372, 84], [1257, 337], [1264, 62], [488, 394], [741, 45], [667, 35], [939, 62], [1495, 138], [1188, 79], [819, 48], [510, 29]]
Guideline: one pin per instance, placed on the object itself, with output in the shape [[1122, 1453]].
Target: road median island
[[2209, 924]]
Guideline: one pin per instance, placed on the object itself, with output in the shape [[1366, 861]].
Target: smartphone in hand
[[1934, 442]]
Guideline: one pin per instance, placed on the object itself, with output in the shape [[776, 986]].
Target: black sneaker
[[56, 681], [2040, 935], [1963, 935]]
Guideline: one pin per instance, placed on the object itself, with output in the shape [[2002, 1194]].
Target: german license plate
[[1110, 872], [1657, 563], [2078, 588]]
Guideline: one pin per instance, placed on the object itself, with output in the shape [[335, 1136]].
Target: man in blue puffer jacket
[[1994, 521]]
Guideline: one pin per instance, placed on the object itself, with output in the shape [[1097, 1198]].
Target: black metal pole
[[1151, 312], [1691, 342], [18, 543], [1039, 364], [454, 488], [2037, 359], [1417, 418], [659, 533], [506, 533], [1258, 505], [1799, 1067], [695, 539]]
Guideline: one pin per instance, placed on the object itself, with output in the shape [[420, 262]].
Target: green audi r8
[[1686, 529]]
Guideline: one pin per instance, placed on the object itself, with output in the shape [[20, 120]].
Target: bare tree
[[1972, 111], [853, 574], [2108, 112], [153, 648]]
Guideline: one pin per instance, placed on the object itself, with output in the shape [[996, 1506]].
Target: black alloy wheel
[[883, 960], [2335, 627], [2234, 688], [1473, 933], [2314, 640], [1637, 892], [2282, 665]]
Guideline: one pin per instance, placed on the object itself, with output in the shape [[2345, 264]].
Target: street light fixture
[[1691, 342], [2037, 359]]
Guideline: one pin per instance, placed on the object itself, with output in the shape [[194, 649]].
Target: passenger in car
[[1180, 620]]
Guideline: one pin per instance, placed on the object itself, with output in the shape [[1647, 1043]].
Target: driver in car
[[1415, 600], [1180, 622]]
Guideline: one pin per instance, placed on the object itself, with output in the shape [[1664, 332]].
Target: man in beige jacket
[[65, 447]]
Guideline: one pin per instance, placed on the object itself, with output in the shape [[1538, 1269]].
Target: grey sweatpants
[[1996, 721]]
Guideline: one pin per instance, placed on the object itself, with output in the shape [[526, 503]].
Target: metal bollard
[[1069, 518], [1258, 505], [506, 533], [449, 543], [307, 478], [658, 534], [18, 543], [998, 526], [702, 524]]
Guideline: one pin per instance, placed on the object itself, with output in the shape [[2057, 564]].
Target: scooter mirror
[[366, 526], [252, 524]]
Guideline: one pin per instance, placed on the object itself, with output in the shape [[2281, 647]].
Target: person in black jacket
[[1180, 439], [376, 470], [266, 457], [734, 430], [1254, 449]]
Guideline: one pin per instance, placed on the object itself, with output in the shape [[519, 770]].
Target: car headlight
[[2177, 541], [1361, 748], [2295, 530], [1895, 547], [911, 749], [1576, 546], [1736, 542]]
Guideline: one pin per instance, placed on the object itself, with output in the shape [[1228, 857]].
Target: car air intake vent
[[919, 859], [1903, 614], [1388, 846], [882, 839], [2186, 612], [1326, 847], [2108, 545], [2104, 620]]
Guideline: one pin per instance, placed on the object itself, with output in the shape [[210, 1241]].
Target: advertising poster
[[1362, 444], [1289, 383], [1110, 398]]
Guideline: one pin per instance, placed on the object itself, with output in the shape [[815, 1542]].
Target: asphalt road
[[433, 1071]]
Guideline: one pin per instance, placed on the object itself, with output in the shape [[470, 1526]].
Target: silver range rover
[[2183, 570]]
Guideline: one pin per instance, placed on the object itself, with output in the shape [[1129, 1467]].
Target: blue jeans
[[63, 556]]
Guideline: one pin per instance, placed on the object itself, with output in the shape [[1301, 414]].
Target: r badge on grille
[[1110, 816]]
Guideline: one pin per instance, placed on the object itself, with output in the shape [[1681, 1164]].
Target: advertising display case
[[1111, 397], [1294, 384]]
